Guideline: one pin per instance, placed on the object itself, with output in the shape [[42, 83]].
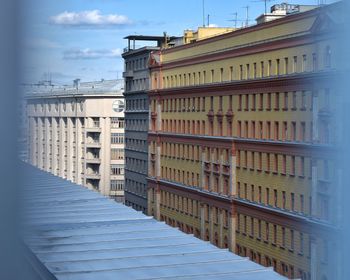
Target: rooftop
[[77, 233], [76, 88]]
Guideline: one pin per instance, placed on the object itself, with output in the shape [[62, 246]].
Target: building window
[[254, 73], [292, 166], [295, 61], [117, 138], [117, 122], [301, 242], [117, 185], [285, 131], [285, 101], [261, 101], [267, 196], [283, 199], [277, 101], [275, 198], [231, 73], [268, 101], [303, 65], [327, 57], [267, 232], [253, 102], [314, 62], [286, 65], [303, 100], [284, 164], [260, 195], [117, 154], [294, 131], [292, 240], [117, 169], [301, 203], [283, 237], [302, 167]]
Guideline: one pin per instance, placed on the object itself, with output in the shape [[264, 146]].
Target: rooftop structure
[[77, 88], [191, 36], [74, 233], [281, 10]]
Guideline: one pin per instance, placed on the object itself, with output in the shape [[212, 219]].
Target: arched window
[[328, 57]]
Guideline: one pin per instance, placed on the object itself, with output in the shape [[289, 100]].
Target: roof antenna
[[203, 10], [247, 16]]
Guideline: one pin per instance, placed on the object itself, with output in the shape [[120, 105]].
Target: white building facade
[[77, 133]]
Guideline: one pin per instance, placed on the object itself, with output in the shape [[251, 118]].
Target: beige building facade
[[77, 133]]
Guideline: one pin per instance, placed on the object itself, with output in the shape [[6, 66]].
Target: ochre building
[[241, 141]]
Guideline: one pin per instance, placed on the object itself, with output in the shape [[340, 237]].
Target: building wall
[[240, 142], [136, 131], [71, 138]]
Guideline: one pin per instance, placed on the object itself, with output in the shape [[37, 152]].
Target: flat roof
[[102, 87], [77, 234], [144, 38]]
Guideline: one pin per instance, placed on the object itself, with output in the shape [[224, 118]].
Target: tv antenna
[[234, 19], [247, 15]]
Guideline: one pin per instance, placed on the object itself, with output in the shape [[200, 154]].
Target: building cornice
[[257, 145], [290, 82], [232, 204]]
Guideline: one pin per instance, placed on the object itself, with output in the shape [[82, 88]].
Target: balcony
[[92, 159], [93, 129], [93, 143], [116, 193], [92, 175]]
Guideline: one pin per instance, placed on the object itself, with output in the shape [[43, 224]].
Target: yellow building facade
[[241, 142]]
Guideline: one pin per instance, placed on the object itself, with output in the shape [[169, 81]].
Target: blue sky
[[84, 38]]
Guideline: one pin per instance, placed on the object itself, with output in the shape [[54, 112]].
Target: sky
[[84, 38]]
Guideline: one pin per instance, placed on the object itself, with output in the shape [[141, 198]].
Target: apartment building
[[137, 85], [77, 133], [241, 146]]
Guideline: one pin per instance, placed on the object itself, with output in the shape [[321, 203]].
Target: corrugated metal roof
[[79, 234]]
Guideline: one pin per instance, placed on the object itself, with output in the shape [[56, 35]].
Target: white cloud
[[212, 25], [91, 54], [89, 18]]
